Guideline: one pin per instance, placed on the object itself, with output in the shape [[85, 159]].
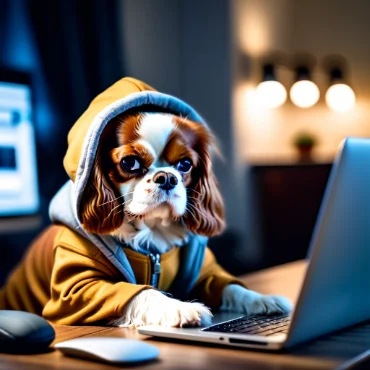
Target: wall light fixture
[[270, 92], [304, 93], [340, 96]]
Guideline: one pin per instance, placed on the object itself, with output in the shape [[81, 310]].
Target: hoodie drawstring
[[156, 269]]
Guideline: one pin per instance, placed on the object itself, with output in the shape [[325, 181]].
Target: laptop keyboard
[[260, 325]]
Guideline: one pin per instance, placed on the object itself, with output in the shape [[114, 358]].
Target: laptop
[[335, 293]]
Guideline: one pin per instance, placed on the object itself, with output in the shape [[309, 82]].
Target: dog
[[161, 187], [128, 243]]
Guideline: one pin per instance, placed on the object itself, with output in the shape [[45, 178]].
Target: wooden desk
[[321, 354]]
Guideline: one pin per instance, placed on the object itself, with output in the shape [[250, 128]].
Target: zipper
[[156, 269]]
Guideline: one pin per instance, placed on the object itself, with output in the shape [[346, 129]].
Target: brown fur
[[99, 197]]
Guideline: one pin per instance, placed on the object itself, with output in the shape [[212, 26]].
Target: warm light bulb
[[271, 94], [304, 93], [340, 97]]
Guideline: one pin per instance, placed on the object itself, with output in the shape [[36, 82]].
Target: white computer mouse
[[109, 349]]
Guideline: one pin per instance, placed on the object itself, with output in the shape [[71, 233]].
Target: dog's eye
[[184, 165], [131, 164]]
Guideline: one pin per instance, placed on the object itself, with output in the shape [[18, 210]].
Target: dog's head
[[153, 165]]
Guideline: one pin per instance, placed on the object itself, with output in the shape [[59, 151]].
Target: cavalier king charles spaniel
[[152, 184]]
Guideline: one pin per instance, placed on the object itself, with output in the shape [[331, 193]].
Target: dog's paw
[[151, 307], [238, 299]]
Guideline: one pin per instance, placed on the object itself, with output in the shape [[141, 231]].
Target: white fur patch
[[157, 231], [155, 130], [157, 226], [151, 307], [235, 298]]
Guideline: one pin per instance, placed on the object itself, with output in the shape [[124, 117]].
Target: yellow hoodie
[[72, 277]]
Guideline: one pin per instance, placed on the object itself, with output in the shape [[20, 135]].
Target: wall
[[320, 28], [151, 49]]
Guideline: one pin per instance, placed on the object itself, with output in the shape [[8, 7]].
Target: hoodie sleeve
[[212, 281], [85, 288]]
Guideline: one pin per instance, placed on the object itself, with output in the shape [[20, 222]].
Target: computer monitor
[[19, 194]]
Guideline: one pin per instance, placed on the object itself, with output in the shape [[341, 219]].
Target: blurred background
[[259, 71]]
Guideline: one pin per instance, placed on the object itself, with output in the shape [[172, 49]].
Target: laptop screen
[[18, 173]]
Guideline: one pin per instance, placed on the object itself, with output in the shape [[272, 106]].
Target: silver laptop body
[[335, 292]]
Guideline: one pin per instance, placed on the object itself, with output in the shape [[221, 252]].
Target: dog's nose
[[165, 180]]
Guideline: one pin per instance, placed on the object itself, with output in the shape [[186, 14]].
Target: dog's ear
[[205, 204], [100, 211]]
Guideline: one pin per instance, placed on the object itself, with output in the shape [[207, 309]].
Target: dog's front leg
[[235, 298], [151, 307]]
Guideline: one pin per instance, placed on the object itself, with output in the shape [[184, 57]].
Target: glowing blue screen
[[18, 172]]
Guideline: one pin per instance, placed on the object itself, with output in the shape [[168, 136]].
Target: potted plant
[[305, 142]]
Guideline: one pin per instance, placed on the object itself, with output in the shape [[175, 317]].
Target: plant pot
[[305, 153]]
